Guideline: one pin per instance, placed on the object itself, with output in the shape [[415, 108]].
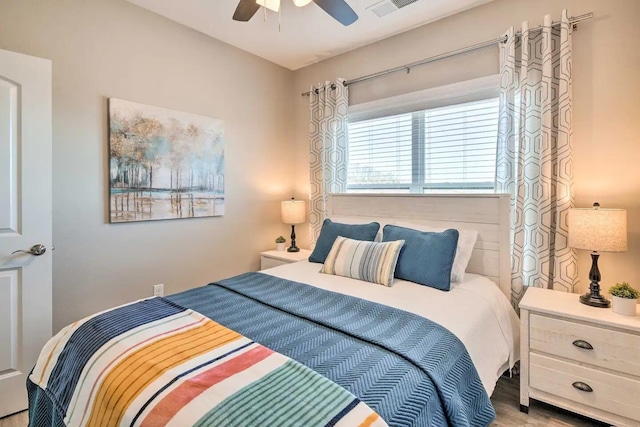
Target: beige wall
[[606, 90], [110, 48]]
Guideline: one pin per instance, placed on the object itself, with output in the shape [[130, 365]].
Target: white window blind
[[380, 151], [444, 149]]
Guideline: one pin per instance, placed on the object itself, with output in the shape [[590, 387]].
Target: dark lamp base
[[595, 300], [593, 297], [293, 247]]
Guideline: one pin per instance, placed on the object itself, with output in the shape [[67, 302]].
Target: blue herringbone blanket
[[410, 370]]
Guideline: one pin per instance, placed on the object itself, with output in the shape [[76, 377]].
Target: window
[[441, 149]]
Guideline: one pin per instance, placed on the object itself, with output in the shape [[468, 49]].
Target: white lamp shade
[[293, 212], [603, 230], [301, 3]]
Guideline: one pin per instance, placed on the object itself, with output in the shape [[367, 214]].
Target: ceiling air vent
[[385, 7]]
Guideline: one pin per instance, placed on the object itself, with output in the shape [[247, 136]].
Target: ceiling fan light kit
[[270, 4], [338, 9]]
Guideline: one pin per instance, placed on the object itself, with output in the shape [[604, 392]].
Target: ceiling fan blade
[[339, 10], [245, 10]]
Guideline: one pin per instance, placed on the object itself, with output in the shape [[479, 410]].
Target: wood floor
[[505, 399], [18, 420]]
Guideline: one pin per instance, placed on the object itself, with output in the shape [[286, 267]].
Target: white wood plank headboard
[[486, 213]]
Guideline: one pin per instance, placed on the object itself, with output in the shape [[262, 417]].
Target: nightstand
[[580, 358], [269, 259]]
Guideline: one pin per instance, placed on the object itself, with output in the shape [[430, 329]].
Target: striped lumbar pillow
[[370, 261]]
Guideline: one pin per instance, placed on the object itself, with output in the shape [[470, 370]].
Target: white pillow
[[466, 242]]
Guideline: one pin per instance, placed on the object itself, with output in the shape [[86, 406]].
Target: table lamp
[[598, 230], [293, 212]]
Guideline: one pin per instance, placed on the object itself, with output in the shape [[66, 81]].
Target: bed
[[401, 355]]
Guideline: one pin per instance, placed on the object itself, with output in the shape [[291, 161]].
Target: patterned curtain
[[534, 160], [328, 151]]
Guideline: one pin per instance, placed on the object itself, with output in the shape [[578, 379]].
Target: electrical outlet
[[158, 290]]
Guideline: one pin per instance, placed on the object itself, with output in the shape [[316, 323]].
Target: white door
[[25, 221]]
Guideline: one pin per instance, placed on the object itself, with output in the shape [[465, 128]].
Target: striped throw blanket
[[155, 363]]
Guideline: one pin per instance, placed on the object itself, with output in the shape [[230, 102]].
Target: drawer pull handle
[[582, 386], [583, 344]]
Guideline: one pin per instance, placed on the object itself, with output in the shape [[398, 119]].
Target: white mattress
[[475, 311]]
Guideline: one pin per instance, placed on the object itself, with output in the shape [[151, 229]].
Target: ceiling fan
[[338, 9]]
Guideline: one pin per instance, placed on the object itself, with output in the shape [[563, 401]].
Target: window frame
[[415, 103]]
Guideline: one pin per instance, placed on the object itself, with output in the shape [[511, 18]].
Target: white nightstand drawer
[[611, 393], [270, 259], [613, 350], [270, 263], [550, 323]]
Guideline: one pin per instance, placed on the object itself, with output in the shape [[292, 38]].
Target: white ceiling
[[307, 34]]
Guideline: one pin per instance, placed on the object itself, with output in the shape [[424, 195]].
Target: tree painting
[[163, 164]]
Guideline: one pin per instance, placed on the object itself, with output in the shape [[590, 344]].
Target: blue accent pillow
[[426, 257], [331, 230]]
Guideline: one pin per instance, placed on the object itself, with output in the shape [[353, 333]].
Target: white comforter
[[475, 311]]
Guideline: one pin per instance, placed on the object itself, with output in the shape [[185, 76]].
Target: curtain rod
[[407, 68]]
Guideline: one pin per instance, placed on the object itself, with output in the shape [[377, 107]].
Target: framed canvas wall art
[[163, 164]]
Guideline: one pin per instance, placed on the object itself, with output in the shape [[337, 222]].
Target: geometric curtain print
[[328, 150], [534, 159]]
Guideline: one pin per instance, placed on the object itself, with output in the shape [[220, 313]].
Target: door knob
[[36, 250]]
